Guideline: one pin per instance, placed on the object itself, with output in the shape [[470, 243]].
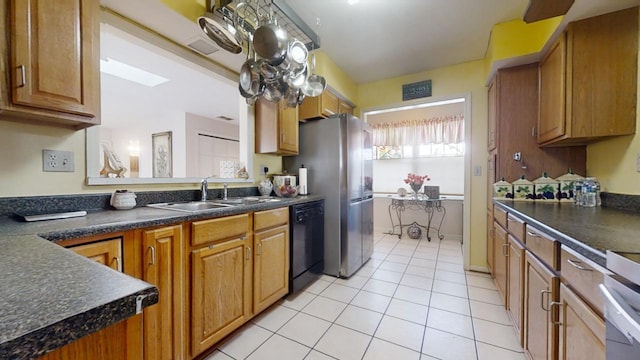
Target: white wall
[[446, 172]]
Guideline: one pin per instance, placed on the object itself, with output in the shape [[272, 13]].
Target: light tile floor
[[411, 300]]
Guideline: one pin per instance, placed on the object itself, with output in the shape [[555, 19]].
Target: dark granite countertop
[[589, 231], [51, 296]]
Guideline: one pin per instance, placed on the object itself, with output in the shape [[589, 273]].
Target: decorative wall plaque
[[416, 90]]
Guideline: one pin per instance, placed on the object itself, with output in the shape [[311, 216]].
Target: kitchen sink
[[190, 206], [246, 200]]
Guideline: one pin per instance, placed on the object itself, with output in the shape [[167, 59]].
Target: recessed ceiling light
[[353, 2], [131, 73]]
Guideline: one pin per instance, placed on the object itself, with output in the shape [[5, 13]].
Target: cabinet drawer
[[543, 246], [583, 276], [270, 218], [516, 227], [500, 216], [228, 227]]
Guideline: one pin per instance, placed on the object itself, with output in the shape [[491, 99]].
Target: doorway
[[450, 171]]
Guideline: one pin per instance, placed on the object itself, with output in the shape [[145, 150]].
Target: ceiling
[[370, 40], [377, 39]]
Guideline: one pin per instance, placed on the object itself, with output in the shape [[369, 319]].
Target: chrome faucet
[[204, 187], [224, 192]]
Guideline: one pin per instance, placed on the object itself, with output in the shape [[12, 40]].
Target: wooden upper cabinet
[[551, 116], [277, 129], [515, 92], [323, 106], [588, 81], [53, 62]]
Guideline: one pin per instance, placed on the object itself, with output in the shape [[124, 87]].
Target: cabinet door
[[220, 291], [107, 252], [541, 290], [330, 103], [500, 253], [343, 107], [516, 283], [110, 342], [271, 267], [162, 254], [582, 334], [54, 55], [289, 130], [551, 115]]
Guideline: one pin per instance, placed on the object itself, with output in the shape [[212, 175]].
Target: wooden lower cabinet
[[500, 248], [220, 291], [271, 267], [162, 254], [105, 252], [515, 298], [118, 341], [582, 331], [541, 291], [108, 343]]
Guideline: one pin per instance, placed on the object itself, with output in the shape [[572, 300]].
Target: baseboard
[[482, 269]]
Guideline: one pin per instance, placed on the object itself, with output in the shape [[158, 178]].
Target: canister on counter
[[502, 189], [567, 184], [545, 188], [523, 189]]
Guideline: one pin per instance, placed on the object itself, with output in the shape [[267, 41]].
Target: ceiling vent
[[202, 46]]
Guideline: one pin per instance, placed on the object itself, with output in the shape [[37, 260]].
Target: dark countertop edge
[[174, 217], [41, 341], [597, 256]]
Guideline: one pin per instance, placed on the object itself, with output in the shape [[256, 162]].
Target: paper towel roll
[[302, 181]]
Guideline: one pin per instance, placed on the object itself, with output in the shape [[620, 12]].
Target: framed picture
[[162, 155], [433, 192]]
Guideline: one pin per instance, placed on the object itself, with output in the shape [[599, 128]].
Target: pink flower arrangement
[[417, 180]]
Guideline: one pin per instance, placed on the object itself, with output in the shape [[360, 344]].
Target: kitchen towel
[[302, 181]]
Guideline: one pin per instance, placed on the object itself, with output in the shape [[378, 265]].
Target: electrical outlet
[[263, 170], [57, 161]]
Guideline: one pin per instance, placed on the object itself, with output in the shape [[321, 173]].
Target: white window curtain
[[437, 130]]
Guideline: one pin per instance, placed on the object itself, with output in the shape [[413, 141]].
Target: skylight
[[131, 73]]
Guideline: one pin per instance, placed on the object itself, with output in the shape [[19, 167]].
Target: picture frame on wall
[[162, 155]]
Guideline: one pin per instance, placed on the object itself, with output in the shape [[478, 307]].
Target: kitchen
[[25, 178]]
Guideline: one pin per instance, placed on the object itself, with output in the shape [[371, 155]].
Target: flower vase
[[415, 188]]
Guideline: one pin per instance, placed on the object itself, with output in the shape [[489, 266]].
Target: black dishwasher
[[307, 244]]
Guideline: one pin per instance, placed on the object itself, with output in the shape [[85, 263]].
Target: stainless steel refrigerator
[[338, 154]]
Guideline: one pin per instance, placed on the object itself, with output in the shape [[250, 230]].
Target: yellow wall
[[450, 81], [336, 77]]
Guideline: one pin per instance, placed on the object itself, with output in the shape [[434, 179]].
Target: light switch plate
[[638, 163], [57, 161], [477, 170]]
